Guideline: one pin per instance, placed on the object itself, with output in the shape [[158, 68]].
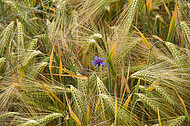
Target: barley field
[[94, 62]]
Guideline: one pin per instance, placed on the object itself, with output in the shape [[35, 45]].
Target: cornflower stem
[[109, 75]]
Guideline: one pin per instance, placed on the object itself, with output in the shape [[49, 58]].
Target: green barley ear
[[127, 48], [14, 7], [164, 94], [77, 98], [30, 123], [49, 118], [20, 37], [82, 85], [176, 122], [29, 58], [6, 36], [2, 62], [8, 114], [146, 100], [33, 44], [176, 54], [38, 69], [101, 87], [186, 29], [126, 18]]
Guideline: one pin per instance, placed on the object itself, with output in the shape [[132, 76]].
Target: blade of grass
[[173, 21], [115, 93], [159, 119], [143, 38]]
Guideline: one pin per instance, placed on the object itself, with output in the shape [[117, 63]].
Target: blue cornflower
[[98, 61]]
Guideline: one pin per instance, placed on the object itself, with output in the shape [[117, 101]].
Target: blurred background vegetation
[[46, 71]]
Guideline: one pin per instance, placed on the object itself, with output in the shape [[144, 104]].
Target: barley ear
[[30, 123], [20, 37], [38, 69], [49, 118], [8, 114], [2, 62], [6, 37], [77, 98], [32, 44], [176, 122]]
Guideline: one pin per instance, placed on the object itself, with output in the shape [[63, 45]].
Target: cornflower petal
[[96, 58]]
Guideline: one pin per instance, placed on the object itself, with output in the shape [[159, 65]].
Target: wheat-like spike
[[147, 101], [51, 28], [186, 30], [147, 75], [32, 45], [54, 109], [77, 98], [180, 8], [8, 114], [127, 49], [122, 114], [33, 104], [1, 77], [38, 69], [126, 19], [20, 37], [2, 62], [42, 36], [82, 85], [176, 54], [164, 94], [101, 87], [30, 123], [29, 58], [6, 37], [49, 118], [39, 95], [14, 6], [176, 122]]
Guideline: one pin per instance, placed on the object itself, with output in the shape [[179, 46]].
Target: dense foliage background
[[47, 76]]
